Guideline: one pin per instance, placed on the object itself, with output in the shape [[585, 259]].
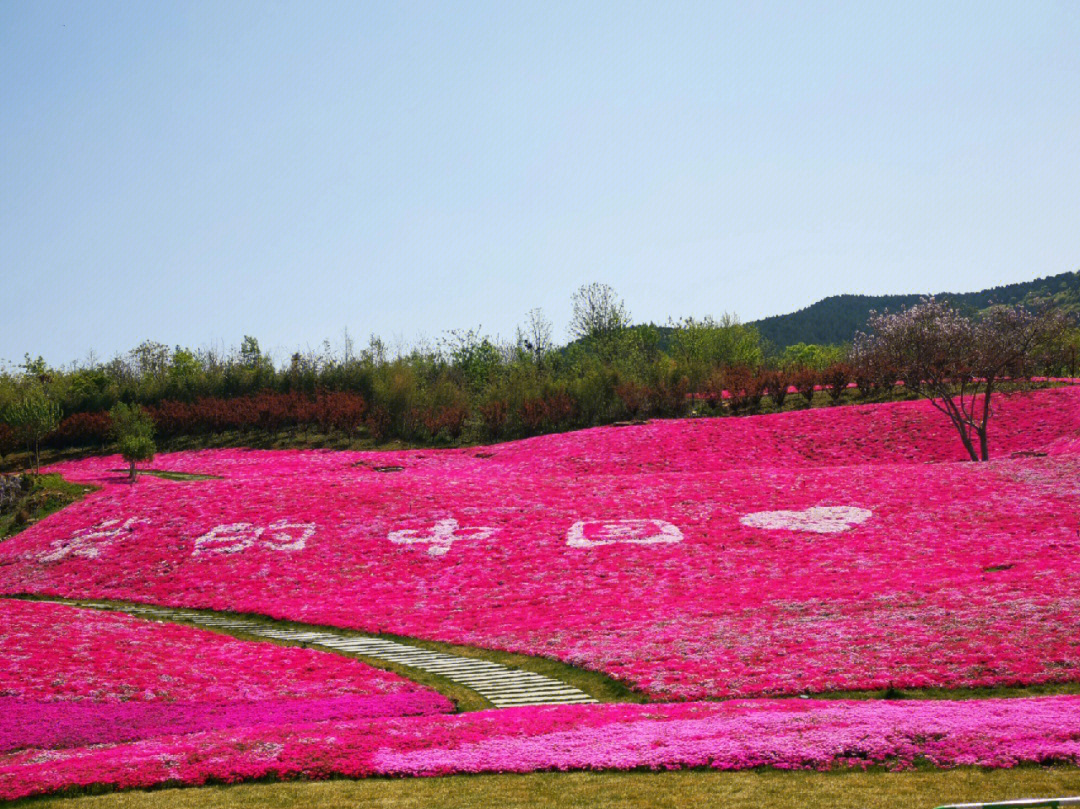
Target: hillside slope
[[836, 319], [836, 549]]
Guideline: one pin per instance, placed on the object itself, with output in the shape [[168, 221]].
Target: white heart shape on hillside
[[819, 519]]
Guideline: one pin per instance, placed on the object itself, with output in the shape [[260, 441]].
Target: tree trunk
[[983, 426], [37, 459], [132, 471], [956, 416], [966, 438]]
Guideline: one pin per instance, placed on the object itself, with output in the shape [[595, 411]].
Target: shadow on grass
[[165, 474]]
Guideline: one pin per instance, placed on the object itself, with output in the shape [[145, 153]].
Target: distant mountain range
[[836, 319]]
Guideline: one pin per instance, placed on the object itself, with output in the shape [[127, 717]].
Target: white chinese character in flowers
[[228, 538], [283, 535], [819, 519], [280, 535], [89, 542], [591, 533], [442, 536]]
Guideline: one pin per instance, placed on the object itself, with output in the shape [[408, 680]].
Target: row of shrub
[[327, 410], [263, 411], [444, 412]]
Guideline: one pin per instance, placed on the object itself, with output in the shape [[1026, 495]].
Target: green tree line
[[467, 386]]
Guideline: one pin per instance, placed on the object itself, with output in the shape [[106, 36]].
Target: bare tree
[[534, 338], [959, 362], [349, 348], [150, 359], [598, 312]]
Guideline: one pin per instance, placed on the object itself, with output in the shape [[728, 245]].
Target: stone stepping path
[[502, 686]]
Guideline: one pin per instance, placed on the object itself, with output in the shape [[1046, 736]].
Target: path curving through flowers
[[502, 686]]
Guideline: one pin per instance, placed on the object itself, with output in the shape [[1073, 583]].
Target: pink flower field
[[787, 734], [72, 677], [632, 551], [828, 550]]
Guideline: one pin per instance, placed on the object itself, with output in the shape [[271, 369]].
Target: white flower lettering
[[280, 535], [90, 542], [592, 533], [442, 536]]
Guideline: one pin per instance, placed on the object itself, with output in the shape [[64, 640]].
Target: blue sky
[[190, 173]]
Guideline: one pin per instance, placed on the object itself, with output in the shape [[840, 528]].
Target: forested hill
[[837, 318]]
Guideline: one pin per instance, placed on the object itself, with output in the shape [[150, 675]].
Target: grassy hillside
[[837, 318]]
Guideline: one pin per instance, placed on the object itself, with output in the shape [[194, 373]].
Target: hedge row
[[445, 416], [260, 411]]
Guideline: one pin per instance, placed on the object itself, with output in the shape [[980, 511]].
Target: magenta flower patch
[[71, 677], [842, 548], [814, 551]]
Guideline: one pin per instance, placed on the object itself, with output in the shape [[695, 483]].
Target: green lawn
[[768, 789], [47, 495]]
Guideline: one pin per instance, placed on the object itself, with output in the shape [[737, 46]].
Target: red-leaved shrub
[[634, 396], [493, 414], [80, 429], [806, 381], [836, 377], [264, 411]]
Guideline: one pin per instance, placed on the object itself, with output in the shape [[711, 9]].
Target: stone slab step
[[502, 686]]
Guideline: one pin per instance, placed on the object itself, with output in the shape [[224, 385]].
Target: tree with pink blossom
[[959, 362]]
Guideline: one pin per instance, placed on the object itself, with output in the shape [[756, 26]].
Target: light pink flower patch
[[788, 734], [56, 653], [280, 535], [818, 519]]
